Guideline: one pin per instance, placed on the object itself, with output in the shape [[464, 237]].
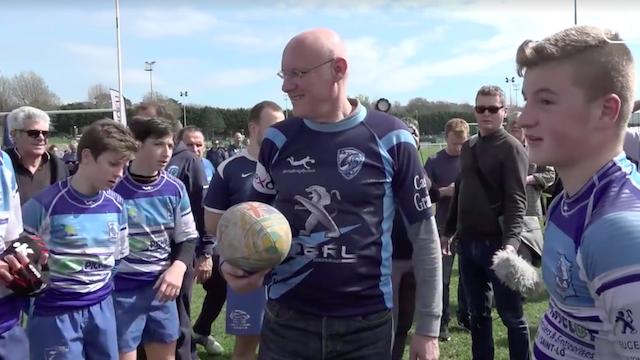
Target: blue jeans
[[479, 279], [288, 334]]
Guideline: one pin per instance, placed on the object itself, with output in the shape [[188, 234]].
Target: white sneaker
[[213, 347]]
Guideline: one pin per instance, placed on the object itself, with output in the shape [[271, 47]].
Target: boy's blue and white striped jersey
[[10, 229], [591, 268], [159, 215], [232, 183], [338, 185], [85, 236]]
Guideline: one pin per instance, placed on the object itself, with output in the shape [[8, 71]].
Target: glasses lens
[[492, 109], [36, 133]]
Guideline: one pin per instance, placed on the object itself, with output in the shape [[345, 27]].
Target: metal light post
[[184, 107], [575, 12], [510, 83], [148, 66]]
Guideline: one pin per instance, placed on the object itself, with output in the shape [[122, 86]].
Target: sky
[[227, 53]]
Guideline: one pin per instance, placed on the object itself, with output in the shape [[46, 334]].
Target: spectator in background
[[53, 150], [236, 146], [217, 154], [70, 157], [35, 168], [443, 169], [193, 139]]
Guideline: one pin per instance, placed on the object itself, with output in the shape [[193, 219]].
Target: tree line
[[28, 88]]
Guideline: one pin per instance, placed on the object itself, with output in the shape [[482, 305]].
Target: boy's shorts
[[14, 344], [245, 312], [142, 319], [70, 335]]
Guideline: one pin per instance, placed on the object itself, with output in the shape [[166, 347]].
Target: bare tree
[[98, 94], [7, 100], [30, 89]]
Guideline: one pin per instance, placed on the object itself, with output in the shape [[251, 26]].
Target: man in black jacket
[[493, 168], [35, 168]]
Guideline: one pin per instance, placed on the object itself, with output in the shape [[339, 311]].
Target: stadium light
[[148, 66]]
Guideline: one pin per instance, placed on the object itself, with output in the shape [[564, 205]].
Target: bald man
[[336, 170]]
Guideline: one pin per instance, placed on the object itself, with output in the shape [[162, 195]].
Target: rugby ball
[[253, 236]]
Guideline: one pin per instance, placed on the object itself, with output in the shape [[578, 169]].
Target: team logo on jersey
[[624, 322], [300, 166], [113, 230], [173, 170], [319, 197], [563, 276], [240, 319], [350, 162]]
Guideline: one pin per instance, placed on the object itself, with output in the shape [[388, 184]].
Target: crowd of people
[[128, 216]]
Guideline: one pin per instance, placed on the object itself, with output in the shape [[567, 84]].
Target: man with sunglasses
[[487, 214], [35, 167]]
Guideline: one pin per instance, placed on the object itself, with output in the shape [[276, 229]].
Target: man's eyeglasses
[[298, 74], [492, 109], [36, 133]]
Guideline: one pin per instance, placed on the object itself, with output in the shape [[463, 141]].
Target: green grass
[[459, 348]]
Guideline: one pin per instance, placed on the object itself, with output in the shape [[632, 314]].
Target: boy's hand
[[170, 282]]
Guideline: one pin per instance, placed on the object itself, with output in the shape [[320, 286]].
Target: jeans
[[289, 334], [404, 296], [475, 262], [463, 309]]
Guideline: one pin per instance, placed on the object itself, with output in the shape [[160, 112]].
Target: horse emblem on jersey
[[563, 276], [319, 197], [350, 162], [624, 318], [113, 230]]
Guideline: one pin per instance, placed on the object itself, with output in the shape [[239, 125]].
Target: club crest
[[350, 162]]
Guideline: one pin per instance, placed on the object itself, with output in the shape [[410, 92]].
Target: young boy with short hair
[[84, 225], [579, 88], [162, 239]]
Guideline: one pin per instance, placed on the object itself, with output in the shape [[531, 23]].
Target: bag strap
[[494, 203]]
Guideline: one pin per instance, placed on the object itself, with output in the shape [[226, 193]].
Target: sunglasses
[[36, 133], [492, 109]]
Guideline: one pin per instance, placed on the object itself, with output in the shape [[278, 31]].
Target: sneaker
[[444, 333], [213, 347], [210, 344]]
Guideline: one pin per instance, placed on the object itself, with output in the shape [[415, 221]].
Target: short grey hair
[[513, 117], [18, 117]]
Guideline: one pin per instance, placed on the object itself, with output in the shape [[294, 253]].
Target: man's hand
[[241, 281], [424, 348], [170, 282], [445, 245], [510, 248], [447, 190], [204, 268], [11, 264]]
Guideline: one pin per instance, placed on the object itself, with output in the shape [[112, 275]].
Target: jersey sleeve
[[263, 184], [217, 199], [429, 168], [14, 222], [610, 262], [185, 226]]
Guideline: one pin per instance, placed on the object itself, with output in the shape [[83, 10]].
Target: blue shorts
[[14, 344], [142, 319], [245, 312], [71, 335]]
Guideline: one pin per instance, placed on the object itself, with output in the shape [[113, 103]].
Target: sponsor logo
[[301, 166], [624, 322], [22, 248], [329, 253], [421, 198], [240, 319], [247, 174], [317, 198], [350, 162]]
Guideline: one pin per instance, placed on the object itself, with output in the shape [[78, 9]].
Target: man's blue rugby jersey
[[338, 185]]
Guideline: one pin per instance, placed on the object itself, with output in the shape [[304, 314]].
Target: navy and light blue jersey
[[85, 237], [591, 268], [232, 183], [10, 229], [159, 216], [338, 185], [209, 170]]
